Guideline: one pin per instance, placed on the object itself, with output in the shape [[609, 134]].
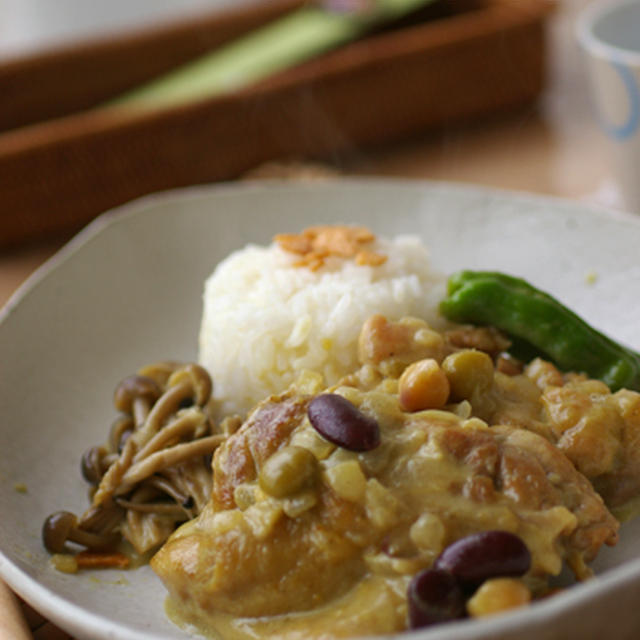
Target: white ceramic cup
[[609, 32]]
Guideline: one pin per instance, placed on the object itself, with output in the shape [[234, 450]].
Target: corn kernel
[[308, 438], [263, 517], [298, 504], [310, 382], [381, 506], [428, 533], [347, 480]]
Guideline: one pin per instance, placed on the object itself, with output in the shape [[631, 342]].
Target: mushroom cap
[[134, 387], [91, 464], [56, 529], [159, 371], [199, 379]]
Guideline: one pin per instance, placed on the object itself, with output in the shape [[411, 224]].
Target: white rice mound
[[265, 320]]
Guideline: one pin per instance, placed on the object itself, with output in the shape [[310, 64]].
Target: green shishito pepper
[[539, 325]]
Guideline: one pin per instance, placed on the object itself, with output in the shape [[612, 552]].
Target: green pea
[[288, 471]]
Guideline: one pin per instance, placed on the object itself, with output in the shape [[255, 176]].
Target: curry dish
[[304, 538], [410, 476]]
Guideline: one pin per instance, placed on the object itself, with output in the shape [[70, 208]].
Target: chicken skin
[[303, 537]]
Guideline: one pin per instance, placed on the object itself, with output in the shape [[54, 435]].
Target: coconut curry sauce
[[305, 538]]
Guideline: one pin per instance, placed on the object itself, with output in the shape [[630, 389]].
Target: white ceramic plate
[[127, 292]]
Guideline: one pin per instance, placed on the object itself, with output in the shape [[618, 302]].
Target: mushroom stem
[[90, 540], [167, 458], [166, 486], [161, 508], [141, 407], [193, 478], [185, 423], [102, 520], [121, 425], [109, 459], [167, 404], [113, 476]]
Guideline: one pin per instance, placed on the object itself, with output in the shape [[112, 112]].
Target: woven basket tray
[[62, 162]]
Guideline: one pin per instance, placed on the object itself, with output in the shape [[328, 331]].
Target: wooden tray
[[62, 162]]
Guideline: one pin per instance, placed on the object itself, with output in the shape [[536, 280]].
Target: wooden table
[[551, 148]]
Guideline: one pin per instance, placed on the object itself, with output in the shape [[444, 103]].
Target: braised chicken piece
[[597, 430], [308, 522]]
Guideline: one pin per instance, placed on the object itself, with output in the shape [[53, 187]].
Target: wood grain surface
[[476, 58]]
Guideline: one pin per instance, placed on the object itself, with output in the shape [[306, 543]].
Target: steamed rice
[[266, 320]]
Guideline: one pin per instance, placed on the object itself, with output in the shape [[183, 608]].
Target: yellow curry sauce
[[331, 556]]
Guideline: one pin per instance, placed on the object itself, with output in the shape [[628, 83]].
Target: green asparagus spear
[[541, 323], [283, 43]]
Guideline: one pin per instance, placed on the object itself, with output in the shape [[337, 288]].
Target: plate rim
[[134, 207], [79, 619]]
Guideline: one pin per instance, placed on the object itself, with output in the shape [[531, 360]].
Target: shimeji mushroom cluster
[[155, 469]]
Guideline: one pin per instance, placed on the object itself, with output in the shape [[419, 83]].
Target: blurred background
[[545, 141], [34, 25]]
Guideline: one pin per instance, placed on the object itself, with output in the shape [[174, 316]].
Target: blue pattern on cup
[[628, 128]]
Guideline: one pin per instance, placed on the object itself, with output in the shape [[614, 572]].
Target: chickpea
[[468, 371], [497, 595], [288, 471], [423, 385]]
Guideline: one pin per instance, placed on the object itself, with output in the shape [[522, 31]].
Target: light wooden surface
[[551, 148]]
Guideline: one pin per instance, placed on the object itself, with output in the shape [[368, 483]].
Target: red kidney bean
[[340, 422], [434, 596], [484, 555]]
